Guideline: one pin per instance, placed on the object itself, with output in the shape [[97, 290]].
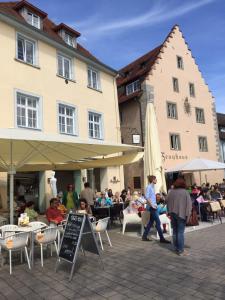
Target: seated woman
[[31, 213], [133, 206], [84, 208], [103, 200], [117, 199], [161, 208]]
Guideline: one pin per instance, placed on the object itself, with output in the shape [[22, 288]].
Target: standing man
[[152, 207], [88, 194]]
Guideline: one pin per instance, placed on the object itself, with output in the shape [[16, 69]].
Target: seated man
[[103, 200], [53, 214]]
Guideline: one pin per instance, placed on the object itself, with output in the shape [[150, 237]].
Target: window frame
[[180, 58], [202, 109], [91, 69], [173, 81], [35, 49], [75, 118], [179, 141], [203, 137], [192, 94], [39, 109], [71, 71], [167, 108], [132, 84], [101, 125], [32, 19], [67, 37]]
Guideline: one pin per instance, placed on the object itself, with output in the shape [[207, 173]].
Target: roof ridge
[[141, 57]]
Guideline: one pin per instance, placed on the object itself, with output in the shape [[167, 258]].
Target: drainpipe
[[140, 112]]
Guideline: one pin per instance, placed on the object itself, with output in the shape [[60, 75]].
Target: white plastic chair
[[47, 237], [15, 242], [8, 230], [165, 220], [130, 218], [37, 226], [101, 226]]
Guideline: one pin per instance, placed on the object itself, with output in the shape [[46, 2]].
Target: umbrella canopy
[[152, 153], [21, 147], [88, 163], [197, 164]]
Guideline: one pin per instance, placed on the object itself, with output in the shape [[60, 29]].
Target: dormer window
[[68, 34], [33, 20], [32, 14], [69, 39]]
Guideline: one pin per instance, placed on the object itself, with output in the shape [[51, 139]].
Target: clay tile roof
[[67, 28], [33, 8], [221, 123], [124, 98], [11, 9], [139, 67], [221, 119]]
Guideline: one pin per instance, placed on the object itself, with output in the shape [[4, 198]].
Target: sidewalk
[[133, 270]]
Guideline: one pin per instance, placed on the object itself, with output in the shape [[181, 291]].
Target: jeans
[[154, 217], [178, 225]]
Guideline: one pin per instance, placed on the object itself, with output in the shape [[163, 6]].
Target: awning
[[88, 163], [19, 148]]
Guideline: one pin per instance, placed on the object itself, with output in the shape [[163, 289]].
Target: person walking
[[152, 207], [179, 207], [88, 194]]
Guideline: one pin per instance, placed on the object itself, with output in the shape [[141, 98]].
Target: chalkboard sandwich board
[[78, 234]]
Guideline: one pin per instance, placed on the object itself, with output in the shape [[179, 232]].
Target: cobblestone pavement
[[133, 270]]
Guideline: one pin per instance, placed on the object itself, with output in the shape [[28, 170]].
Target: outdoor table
[[102, 211], [32, 235]]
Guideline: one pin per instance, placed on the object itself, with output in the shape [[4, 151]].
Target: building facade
[[50, 83], [185, 108], [221, 128]]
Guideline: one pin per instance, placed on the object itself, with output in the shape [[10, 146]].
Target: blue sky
[[119, 31]]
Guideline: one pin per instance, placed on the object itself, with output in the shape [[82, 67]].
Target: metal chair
[[15, 242], [47, 237], [8, 230], [101, 226]]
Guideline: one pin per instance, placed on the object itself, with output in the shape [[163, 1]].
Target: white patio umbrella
[[21, 147], [197, 164], [152, 153]]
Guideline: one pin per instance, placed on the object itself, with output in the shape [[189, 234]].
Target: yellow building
[[50, 83], [184, 106]]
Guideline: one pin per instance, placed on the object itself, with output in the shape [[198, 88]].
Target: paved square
[[133, 270]]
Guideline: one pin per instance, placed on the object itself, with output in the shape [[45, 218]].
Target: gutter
[[43, 36]]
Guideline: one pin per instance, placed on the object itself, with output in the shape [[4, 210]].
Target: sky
[[119, 31]]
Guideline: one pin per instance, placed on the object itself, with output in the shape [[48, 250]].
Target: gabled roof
[[24, 3], [221, 119], [67, 28], [221, 123], [139, 67], [10, 9]]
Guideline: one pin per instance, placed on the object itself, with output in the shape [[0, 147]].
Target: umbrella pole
[[200, 177], [11, 195]]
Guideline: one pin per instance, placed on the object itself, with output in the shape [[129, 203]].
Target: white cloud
[[158, 13]]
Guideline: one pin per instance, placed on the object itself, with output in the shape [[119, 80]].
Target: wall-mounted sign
[[174, 156], [136, 138]]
